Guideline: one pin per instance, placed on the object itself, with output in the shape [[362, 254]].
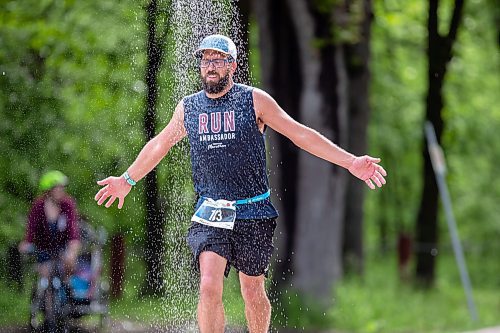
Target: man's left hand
[[368, 170]]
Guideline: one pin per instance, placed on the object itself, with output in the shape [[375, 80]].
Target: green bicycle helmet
[[51, 179]]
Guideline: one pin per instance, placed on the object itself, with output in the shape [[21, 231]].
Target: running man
[[234, 219]]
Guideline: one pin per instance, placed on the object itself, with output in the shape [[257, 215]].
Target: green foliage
[[471, 120], [67, 100], [348, 22], [398, 103], [178, 305], [297, 313], [472, 116], [380, 302], [177, 308], [12, 304], [72, 98], [325, 6], [377, 302]]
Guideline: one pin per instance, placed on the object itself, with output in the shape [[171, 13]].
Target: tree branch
[[455, 20]]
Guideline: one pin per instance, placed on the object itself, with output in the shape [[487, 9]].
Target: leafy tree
[[67, 94], [399, 85], [155, 221], [439, 54], [358, 53], [303, 48]]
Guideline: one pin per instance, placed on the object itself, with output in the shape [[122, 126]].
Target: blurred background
[[84, 84]]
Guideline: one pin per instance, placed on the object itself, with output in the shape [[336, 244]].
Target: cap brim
[[197, 53]]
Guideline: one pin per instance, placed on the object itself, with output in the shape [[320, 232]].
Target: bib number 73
[[219, 214], [216, 215]]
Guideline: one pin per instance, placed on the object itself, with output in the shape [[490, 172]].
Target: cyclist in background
[[52, 228]]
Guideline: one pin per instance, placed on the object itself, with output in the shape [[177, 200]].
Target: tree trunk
[[358, 60], [439, 54], [309, 82], [279, 60], [493, 5], [321, 186], [154, 246]]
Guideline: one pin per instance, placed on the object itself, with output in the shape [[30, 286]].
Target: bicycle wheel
[[47, 313], [37, 306]]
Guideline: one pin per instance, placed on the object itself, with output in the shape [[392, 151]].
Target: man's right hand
[[114, 187]]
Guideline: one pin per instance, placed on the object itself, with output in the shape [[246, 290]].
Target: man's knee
[[212, 268], [254, 293], [211, 289]]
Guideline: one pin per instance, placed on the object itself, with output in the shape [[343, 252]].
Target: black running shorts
[[248, 247]]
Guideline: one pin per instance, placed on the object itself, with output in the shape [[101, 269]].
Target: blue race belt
[[257, 198]]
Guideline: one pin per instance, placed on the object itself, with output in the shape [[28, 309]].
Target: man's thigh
[[212, 265], [202, 238], [253, 246]]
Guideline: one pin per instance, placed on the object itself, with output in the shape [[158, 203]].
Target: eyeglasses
[[218, 63]]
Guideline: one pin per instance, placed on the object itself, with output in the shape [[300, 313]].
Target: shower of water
[[190, 21]]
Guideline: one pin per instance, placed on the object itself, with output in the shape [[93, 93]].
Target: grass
[[377, 302], [13, 305], [380, 302]]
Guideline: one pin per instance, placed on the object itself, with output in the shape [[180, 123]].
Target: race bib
[[216, 213]]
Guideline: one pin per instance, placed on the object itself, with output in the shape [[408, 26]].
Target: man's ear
[[234, 64]]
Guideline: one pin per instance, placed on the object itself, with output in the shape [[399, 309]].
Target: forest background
[[76, 95]]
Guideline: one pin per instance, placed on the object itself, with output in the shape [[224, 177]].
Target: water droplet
[[139, 86]]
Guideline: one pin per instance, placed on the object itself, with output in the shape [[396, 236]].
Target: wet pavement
[[132, 327], [125, 327]]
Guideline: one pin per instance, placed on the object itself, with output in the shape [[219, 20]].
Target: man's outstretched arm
[[271, 114], [149, 157]]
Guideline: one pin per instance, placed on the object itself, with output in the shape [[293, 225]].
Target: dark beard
[[215, 88]]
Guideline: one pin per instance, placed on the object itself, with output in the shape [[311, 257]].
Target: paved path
[[126, 327], [131, 327], [486, 330]]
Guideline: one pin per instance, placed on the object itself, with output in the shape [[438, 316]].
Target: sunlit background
[[84, 84]]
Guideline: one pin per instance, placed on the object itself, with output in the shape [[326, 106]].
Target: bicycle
[[54, 303], [49, 301]]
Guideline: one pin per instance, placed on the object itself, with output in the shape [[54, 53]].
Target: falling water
[[190, 21]]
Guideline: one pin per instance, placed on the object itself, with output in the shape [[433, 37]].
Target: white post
[[439, 166]]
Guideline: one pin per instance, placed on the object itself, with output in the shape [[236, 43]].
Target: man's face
[[215, 71]]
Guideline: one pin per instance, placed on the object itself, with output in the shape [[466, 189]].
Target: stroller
[[55, 305]]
